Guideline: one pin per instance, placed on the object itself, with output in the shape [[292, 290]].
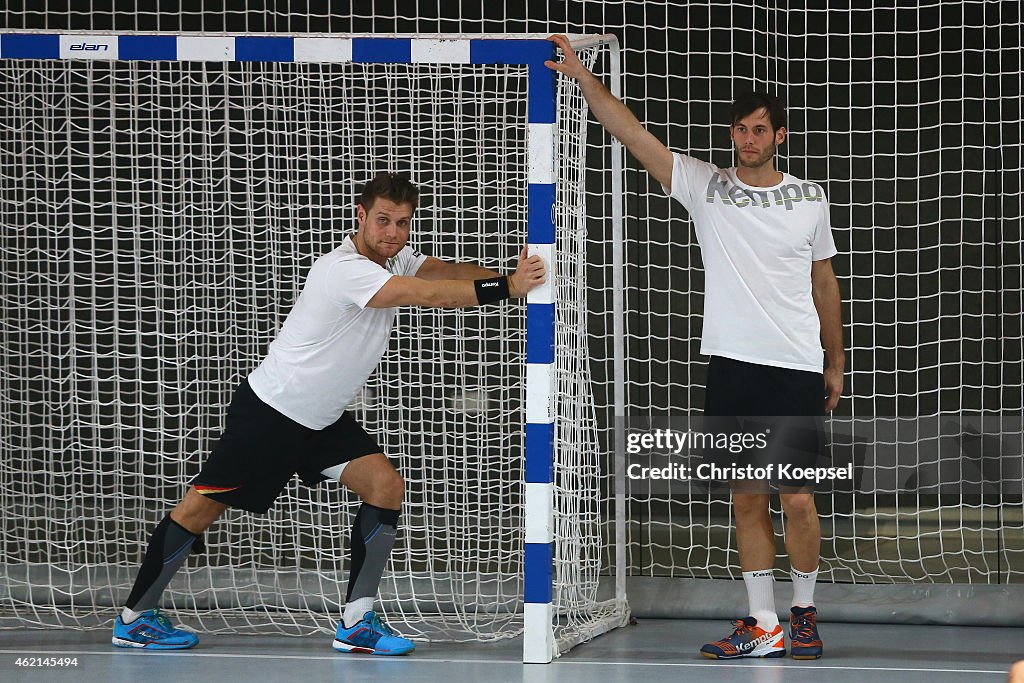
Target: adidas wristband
[[491, 290]]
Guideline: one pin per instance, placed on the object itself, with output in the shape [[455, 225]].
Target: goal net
[[159, 217]]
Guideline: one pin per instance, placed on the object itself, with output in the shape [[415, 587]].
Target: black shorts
[[786, 406], [260, 449]]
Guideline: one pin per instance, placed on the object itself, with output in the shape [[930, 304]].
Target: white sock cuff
[[803, 587], [355, 610], [128, 616], [807, 576], [759, 574]]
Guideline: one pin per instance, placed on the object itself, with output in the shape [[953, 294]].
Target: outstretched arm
[[436, 269], [615, 116], [457, 292]]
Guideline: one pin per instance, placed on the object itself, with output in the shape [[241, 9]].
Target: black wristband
[[491, 290]]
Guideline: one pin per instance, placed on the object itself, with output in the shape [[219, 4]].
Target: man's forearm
[[828, 304], [470, 271]]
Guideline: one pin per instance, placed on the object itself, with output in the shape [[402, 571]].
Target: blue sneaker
[[152, 631], [371, 636]]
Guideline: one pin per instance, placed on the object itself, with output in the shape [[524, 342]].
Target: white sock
[[355, 610], [803, 587], [761, 596], [128, 616]]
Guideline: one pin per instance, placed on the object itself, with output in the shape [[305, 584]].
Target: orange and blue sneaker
[[371, 636], [748, 640], [805, 643], [152, 631]]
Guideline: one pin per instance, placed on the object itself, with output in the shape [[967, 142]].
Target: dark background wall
[[908, 114]]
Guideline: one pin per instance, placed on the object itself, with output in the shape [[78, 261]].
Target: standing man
[[771, 304], [289, 416]]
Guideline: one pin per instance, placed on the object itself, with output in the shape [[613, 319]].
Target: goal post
[[163, 198]]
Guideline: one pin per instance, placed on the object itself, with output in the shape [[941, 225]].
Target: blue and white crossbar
[[538, 643]]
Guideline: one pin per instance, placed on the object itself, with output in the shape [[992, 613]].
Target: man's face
[[755, 140], [384, 229]]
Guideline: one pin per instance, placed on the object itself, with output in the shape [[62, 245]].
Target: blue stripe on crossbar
[[389, 50], [29, 46], [541, 104], [264, 49], [147, 47]]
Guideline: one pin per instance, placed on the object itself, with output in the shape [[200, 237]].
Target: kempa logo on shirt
[[393, 261], [741, 197]]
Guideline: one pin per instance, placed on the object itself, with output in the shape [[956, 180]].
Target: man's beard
[[759, 160]]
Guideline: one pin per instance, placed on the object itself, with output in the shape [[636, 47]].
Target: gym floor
[[652, 651]]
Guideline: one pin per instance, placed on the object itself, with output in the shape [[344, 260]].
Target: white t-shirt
[[330, 342], [757, 244]]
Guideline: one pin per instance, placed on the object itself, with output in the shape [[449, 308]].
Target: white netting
[[909, 115], [158, 221]]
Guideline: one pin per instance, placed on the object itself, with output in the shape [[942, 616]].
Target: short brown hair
[[392, 186], [747, 103]]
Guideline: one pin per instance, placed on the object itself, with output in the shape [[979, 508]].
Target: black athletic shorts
[[260, 449], [786, 406]]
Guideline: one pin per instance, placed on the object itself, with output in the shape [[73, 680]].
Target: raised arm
[[615, 116], [454, 291]]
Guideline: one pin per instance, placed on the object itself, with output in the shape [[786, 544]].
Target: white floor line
[[558, 662]]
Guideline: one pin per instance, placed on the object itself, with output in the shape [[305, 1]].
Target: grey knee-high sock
[[373, 537], [169, 546]]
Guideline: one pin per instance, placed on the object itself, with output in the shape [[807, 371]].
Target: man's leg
[[169, 546], [755, 540], [760, 634], [374, 479], [803, 544]]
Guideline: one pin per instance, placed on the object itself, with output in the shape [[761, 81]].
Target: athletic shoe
[[152, 631], [805, 643], [748, 640], [371, 636]]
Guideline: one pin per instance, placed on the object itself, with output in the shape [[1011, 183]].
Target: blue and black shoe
[[371, 636], [803, 633], [152, 631]]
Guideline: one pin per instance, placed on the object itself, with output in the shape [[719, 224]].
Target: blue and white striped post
[[538, 563], [538, 645]]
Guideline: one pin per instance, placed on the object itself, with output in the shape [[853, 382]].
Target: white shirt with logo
[[757, 244], [330, 342]]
